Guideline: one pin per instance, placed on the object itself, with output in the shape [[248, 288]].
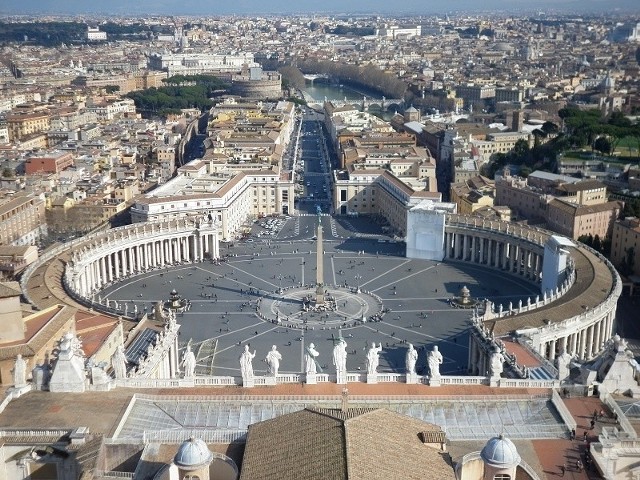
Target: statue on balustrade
[[373, 358], [434, 361], [410, 360], [563, 364], [119, 362], [310, 362], [158, 313], [497, 362], [273, 361], [246, 367], [189, 363], [340, 357], [20, 372]]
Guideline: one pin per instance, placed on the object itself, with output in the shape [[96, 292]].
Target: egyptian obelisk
[[319, 267]]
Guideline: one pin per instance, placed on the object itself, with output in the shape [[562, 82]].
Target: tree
[[8, 172], [597, 243], [627, 264], [603, 145], [549, 128]]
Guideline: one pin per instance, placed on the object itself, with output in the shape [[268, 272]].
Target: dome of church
[[193, 453], [500, 452]]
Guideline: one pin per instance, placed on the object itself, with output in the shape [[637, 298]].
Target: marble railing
[[326, 378], [625, 424], [528, 383], [564, 412], [208, 436]]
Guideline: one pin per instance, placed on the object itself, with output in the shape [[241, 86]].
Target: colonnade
[[520, 252], [584, 343], [139, 248], [512, 254]]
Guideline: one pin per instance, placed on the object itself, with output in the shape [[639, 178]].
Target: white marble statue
[[340, 357], [310, 363], [434, 360], [410, 360], [171, 320], [246, 367], [497, 361], [69, 374], [20, 372], [189, 363], [158, 313], [119, 362], [563, 364], [273, 361], [373, 358]]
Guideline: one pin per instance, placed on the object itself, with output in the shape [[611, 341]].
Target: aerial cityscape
[[352, 240]]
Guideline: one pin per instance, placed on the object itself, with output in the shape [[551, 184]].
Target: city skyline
[[273, 7]]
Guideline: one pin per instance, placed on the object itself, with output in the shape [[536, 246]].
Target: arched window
[[195, 477], [502, 476]]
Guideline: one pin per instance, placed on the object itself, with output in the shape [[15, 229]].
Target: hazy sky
[[220, 7]]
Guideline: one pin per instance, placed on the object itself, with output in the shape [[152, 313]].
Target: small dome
[[193, 453], [500, 452], [173, 292]]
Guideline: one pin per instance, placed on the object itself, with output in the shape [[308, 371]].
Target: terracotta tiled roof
[[357, 444], [9, 289]]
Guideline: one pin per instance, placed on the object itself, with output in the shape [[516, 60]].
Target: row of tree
[[48, 34], [589, 128], [176, 96], [367, 76]]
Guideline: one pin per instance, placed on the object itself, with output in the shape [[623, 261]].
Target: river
[[334, 92]]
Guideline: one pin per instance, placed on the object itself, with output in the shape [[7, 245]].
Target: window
[[502, 476]]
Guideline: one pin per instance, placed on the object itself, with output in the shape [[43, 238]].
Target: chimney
[[344, 405]]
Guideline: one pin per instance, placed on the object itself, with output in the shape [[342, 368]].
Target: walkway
[[552, 454]]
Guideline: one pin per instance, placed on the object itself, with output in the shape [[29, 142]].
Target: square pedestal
[[372, 378], [494, 381], [341, 379], [434, 381], [412, 378], [311, 379], [248, 383], [270, 381]]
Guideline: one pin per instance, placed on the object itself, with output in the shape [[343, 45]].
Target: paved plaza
[[403, 300]]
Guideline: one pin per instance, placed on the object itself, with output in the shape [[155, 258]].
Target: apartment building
[[51, 162], [230, 196], [472, 93], [574, 208], [367, 190], [574, 220], [21, 125], [22, 219], [625, 243], [472, 194]]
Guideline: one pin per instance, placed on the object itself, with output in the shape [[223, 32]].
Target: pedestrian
[[593, 423], [585, 436], [579, 465], [573, 434], [562, 470]]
